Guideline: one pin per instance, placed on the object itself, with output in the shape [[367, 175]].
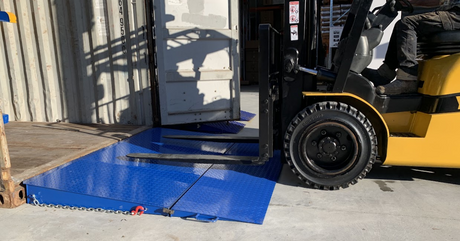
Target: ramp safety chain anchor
[[138, 210]]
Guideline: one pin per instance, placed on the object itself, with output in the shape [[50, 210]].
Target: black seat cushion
[[441, 43]]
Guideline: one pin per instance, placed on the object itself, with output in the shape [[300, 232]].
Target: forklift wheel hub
[[329, 156], [328, 145]]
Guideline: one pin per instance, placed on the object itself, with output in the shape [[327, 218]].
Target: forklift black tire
[[330, 145]]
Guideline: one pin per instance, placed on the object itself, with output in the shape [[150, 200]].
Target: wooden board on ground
[[38, 147]]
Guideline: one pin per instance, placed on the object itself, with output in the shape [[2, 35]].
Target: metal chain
[[35, 202]]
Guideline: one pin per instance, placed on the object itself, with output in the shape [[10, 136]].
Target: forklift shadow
[[443, 175], [288, 178], [387, 173]]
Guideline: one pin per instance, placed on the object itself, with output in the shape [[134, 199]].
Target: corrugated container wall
[[83, 61]]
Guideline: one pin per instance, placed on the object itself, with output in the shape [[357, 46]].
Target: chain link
[[73, 208]]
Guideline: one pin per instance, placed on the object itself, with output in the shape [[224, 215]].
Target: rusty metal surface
[[11, 194]]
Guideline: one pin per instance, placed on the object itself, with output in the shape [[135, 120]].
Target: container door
[[197, 60]]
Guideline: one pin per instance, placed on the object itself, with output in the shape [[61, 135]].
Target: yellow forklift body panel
[[440, 147], [415, 123], [434, 141], [441, 75]]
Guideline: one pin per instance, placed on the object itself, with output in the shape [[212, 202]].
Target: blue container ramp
[[107, 179]]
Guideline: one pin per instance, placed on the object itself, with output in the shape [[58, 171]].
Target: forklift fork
[[267, 95]]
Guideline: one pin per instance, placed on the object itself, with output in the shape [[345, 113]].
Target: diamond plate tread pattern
[[127, 183], [107, 173], [108, 179], [246, 116], [240, 193]]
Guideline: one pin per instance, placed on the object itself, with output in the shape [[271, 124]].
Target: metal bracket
[[168, 211], [200, 218], [12, 198]]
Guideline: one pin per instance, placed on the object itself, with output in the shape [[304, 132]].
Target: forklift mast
[[301, 42], [280, 55], [300, 47], [299, 68]]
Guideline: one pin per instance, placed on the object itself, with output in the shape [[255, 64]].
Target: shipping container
[[197, 46], [83, 61]]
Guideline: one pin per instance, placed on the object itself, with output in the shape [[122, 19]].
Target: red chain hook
[[138, 210]]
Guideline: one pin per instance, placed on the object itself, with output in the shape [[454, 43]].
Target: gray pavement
[[392, 203]]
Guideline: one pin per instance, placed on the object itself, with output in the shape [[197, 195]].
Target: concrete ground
[[392, 203]]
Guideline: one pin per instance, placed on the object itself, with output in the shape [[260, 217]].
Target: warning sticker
[[334, 37], [294, 12], [294, 32]]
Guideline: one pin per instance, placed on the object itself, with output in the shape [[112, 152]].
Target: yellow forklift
[[329, 122], [337, 127]]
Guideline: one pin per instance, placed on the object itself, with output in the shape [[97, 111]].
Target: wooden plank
[[38, 147]]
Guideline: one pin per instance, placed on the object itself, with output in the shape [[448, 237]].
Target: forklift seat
[[442, 43]]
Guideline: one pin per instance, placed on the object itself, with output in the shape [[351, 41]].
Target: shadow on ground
[[388, 173], [444, 175]]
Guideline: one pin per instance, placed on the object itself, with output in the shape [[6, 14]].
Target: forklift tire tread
[[329, 145]]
